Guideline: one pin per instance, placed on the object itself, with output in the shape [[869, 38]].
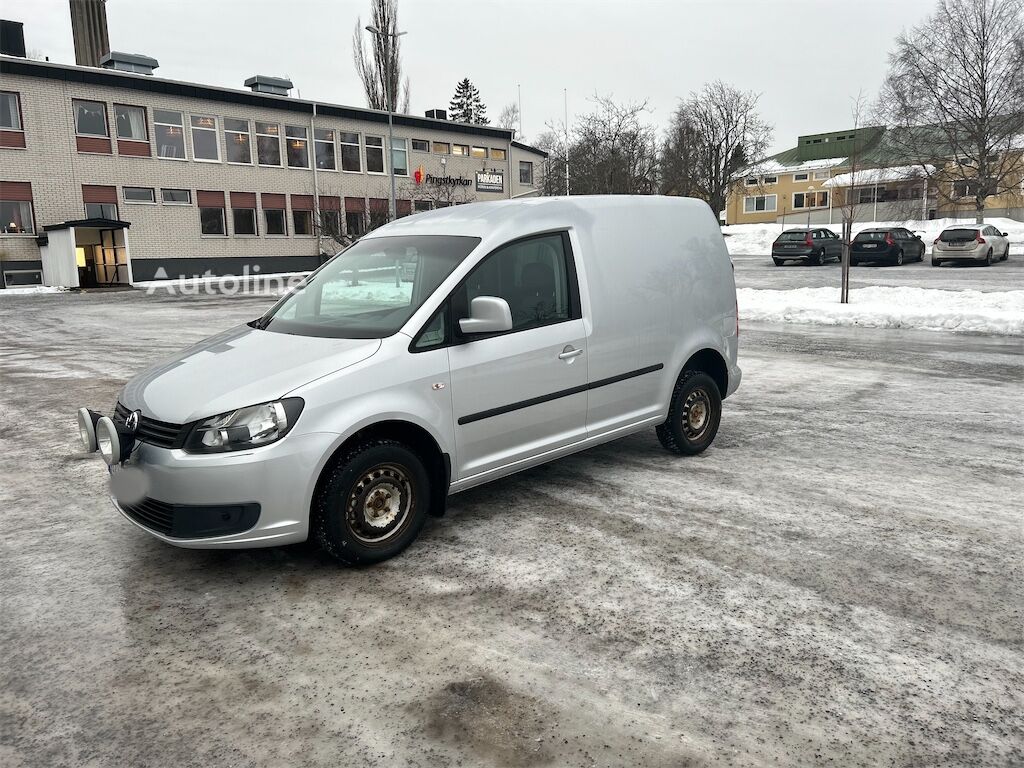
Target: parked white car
[[975, 243], [350, 410]]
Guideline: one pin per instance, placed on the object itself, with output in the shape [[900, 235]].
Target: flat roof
[[15, 65]]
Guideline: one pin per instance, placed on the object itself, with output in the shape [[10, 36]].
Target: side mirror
[[1004, 234], [487, 314]]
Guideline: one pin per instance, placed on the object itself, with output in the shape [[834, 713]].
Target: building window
[[298, 146], [355, 223], [16, 217], [101, 211], [91, 118], [460, 149], [525, 172], [770, 180], [170, 134], [10, 111], [277, 223], [268, 144], [800, 177], [478, 152], [330, 224], [211, 221], [204, 139], [323, 144], [244, 221], [751, 181], [420, 145], [236, 137], [176, 196], [302, 222], [810, 199], [350, 152], [442, 148], [374, 154], [130, 122], [497, 154], [760, 203], [819, 175], [399, 157], [138, 194], [870, 194], [420, 205]]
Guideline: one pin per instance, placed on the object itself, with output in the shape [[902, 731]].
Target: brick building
[[141, 177]]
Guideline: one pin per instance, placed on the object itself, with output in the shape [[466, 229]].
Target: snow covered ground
[[758, 238], [30, 290], [965, 311]]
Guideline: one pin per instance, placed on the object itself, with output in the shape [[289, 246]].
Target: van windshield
[[369, 290]]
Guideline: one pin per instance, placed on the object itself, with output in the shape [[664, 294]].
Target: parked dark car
[[812, 246], [886, 246]]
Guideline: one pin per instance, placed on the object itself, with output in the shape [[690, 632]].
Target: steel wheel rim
[[379, 504], [696, 414]]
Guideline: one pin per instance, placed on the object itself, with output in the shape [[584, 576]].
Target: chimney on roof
[[129, 62], [89, 29], [12, 38], [437, 114], [279, 86]]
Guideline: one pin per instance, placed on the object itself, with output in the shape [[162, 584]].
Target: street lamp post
[[389, 40]]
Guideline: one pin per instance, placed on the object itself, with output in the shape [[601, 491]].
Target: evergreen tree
[[466, 105]]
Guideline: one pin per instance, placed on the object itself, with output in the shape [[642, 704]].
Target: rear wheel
[[778, 262], [816, 259], [372, 503], [899, 259], [936, 262], [694, 415], [988, 258]]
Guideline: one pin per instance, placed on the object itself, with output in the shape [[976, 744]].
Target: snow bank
[[756, 239], [999, 313], [30, 290]]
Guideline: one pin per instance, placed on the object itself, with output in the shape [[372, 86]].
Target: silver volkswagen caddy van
[[439, 352]]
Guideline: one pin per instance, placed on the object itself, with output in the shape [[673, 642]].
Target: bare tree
[[955, 97], [380, 68], [714, 135], [611, 151], [509, 118], [552, 141], [847, 202]]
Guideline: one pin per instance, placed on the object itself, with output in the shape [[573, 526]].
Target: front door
[[524, 392]]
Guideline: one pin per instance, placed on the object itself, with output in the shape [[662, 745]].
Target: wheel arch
[[711, 362], [437, 463]]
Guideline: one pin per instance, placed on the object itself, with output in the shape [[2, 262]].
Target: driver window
[[531, 275]]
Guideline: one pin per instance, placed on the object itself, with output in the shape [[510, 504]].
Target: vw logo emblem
[[132, 421]]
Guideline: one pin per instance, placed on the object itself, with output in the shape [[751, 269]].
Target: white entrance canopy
[[59, 250], [871, 176]]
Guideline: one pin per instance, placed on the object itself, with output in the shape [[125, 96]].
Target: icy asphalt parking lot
[[838, 581]]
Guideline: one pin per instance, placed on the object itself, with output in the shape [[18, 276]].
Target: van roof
[[533, 214]]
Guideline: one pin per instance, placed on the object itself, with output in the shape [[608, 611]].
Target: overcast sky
[[806, 58]]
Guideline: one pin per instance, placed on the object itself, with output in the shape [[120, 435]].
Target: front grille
[[160, 433], [193, 521], [153, 514]]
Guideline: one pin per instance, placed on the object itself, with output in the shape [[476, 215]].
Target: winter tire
[[936, 262], [371, 503], [694, 415], [1006, 254], [778, 262], [816, 259], [899, 259], [988, 258]]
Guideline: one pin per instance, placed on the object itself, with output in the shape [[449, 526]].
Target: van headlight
[[250, 427]]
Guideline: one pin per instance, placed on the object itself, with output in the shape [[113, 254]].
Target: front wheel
[[694, 415], [372, 503], [1006, 254]]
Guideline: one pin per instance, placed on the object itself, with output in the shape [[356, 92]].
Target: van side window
[[435, 333], [532, 276]]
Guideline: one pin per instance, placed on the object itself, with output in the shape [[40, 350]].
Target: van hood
[[240, 367]]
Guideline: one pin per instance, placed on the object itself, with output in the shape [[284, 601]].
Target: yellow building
[[808, 185]]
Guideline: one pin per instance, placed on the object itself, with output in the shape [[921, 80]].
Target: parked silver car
[[353, 408], [980, 243]]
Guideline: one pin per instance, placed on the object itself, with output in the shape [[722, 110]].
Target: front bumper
[[277, 481]]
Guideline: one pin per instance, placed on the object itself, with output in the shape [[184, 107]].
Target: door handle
[[569, 353]]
